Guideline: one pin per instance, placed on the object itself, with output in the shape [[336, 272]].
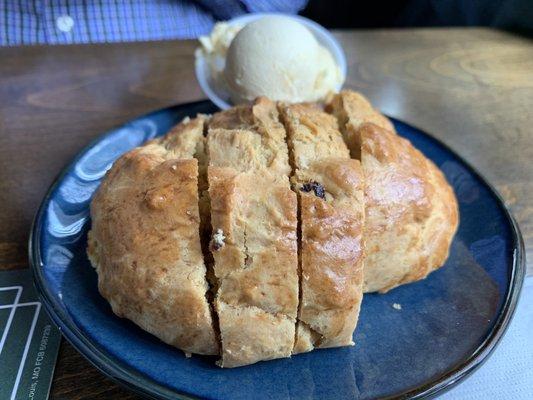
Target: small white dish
[[221, 98]]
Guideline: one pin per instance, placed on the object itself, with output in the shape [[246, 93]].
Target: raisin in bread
[[253, 207], [330, 190], [255, 265]]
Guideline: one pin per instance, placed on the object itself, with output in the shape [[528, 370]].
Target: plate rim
[[135, 381]]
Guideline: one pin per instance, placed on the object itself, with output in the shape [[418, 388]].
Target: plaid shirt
[[96, 21]]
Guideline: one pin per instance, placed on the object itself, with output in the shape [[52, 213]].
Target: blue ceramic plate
[[447, 325]]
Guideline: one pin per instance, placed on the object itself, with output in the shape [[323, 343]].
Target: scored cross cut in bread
[[255, 264], [330, 190], [353, 110], [184, 141], [411, 210], [249, 138], [313, 135], [145, 241], [331, 252], [254, 221]]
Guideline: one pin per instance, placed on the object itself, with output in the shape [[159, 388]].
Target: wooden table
[[472, 88]]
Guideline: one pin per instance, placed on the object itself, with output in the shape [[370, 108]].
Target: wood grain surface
[[471, 88]]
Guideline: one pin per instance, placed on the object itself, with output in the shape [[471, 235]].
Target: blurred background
[[85, 21], [515, 15]]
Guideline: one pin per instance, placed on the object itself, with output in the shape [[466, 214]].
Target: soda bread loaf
[[411, 210], [243, 234]]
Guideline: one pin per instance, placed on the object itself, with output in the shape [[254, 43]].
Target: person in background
[[90, 21], [87, 21]]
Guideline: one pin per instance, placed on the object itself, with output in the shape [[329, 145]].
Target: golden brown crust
[[332, 251], [317, 134], [411, 238], [352, 110], [256, 267], [184, 141], [411, 211], [331, 218], [145, 246], [249, 138]]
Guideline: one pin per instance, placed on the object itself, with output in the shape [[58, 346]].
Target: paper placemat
[[29, 341]]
